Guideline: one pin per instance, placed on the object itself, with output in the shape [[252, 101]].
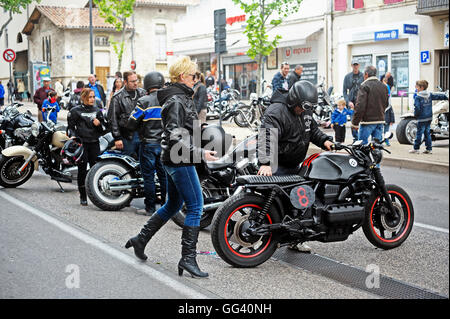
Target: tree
[[13, 6], [115, 12], [262, 17]]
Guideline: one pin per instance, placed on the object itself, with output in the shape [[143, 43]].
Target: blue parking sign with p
[[425, 57]]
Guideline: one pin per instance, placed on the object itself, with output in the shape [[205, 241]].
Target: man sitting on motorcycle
[[289, 124]]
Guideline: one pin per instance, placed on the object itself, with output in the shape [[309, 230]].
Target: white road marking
[[434, 228], [153, 273]]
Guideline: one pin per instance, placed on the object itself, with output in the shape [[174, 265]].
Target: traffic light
[[220, 32]]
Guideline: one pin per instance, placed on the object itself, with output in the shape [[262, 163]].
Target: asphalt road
[[35, 251]]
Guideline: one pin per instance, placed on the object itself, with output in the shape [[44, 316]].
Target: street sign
[[9, 55], [425, 57], [410, 29], [133, 65], [169, 53], [220, 32]]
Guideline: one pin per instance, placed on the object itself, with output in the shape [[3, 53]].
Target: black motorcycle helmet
[[214, 138], [153, 80], [72, 151], [302, 93]]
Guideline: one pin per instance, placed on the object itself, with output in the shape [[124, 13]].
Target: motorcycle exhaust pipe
[[120, 185], [212, 206]]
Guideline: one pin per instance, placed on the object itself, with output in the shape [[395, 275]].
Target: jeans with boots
[[140, 240], [188, 252]]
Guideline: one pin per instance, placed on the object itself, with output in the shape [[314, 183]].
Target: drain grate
[[353, 276]]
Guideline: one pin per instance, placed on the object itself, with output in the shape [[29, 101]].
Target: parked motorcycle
[[406, 130], [15, 127], [230, 107], [333, 195], [324, 108], [64, 102], [218, 179]]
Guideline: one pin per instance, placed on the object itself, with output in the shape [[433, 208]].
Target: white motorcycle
[[407, 128]]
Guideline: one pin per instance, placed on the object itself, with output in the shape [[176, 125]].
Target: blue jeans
[[183, 186], [386, 129], [423, 128], [132, 146], [150, 159], [366, 130]]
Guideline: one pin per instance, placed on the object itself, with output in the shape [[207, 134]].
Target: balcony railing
[[432, 7]]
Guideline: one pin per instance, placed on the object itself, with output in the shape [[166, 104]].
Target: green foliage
[[115, 11], [16, 6], [262, 15]]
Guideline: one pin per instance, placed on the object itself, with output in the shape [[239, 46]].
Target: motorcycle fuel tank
[[330, 167]]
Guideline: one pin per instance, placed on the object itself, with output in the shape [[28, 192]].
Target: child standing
[[51, 103], [423, 111], [339, 119]]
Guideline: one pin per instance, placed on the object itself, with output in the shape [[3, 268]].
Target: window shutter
[[358, 4], [340, 5]]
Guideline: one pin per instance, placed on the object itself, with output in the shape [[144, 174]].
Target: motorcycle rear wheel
[[246, 111], [383, 229], [229, 223], [8, 175], [95, 186]]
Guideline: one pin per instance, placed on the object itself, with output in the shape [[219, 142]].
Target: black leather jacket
[[295, 132], [146, 118], [179, 118], [80, 123], [120, 109]]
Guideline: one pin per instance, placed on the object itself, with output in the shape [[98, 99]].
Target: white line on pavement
[[155, 274], [434, 228]]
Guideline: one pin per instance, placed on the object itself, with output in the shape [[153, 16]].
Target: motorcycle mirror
[[388, 135]]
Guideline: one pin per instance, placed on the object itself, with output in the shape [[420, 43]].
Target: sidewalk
[[399, 157]]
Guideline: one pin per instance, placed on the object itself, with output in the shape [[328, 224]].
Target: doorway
[[102, 75], [382, 65]]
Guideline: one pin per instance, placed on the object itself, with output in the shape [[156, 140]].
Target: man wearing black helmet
[[288, 124], [146, 119]]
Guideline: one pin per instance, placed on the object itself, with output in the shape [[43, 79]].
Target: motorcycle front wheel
[[245, 115], [9, 177], [383, 228], [97, 185], [228, 235]]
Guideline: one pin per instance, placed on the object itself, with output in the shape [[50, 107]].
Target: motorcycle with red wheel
[[333, 195]]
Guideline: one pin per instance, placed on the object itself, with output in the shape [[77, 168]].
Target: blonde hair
[[183, 65], [341, 101]]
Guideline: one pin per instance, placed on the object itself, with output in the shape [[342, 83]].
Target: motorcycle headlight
[[35, 129], [377, 156]]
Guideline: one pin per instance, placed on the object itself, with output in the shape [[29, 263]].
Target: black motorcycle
[[218, 179], [325, 106], [15, 127], [333, 195]]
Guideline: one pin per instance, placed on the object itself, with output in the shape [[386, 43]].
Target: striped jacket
[[146, 119]]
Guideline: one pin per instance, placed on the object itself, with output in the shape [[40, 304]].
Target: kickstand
[[61, 188]]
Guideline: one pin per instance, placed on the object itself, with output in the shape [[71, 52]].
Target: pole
[[220, 80], [91, 37]]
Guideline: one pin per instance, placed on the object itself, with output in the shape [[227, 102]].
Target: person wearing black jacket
[[289, 125], [295, 75], [200, 97], [179, 155], [120, 109], [86, 122], [75, 99], [146, 119]]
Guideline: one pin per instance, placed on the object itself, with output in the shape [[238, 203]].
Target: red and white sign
[[232, 20], [133, 65], [9, 55], [169, 53]]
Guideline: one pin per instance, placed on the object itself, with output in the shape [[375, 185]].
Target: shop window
[[400, 72], [363, 60], [47, 49], [161, 42]]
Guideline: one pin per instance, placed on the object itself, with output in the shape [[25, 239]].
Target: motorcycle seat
[[257, 179]]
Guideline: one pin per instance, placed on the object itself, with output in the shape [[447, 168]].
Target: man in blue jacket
[[423, 111], [280, 80]]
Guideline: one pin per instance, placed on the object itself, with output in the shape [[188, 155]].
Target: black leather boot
[[188, 253], [140, 240], [83, 196]]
